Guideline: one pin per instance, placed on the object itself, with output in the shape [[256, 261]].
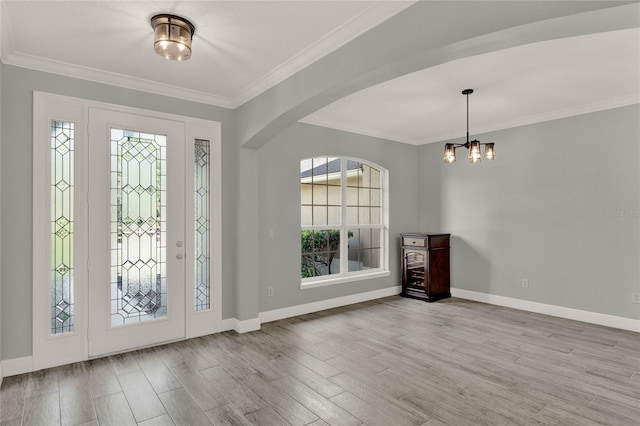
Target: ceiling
[[242, 48], [512, 87]]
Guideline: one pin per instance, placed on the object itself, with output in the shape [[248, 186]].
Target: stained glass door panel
[[138, 226], [137, 287]]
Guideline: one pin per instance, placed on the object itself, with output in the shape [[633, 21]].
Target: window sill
[[344, 279]]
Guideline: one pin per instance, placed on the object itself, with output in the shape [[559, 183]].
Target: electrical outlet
[[525, 283], [635, 298], [269, 291], [270, 234]]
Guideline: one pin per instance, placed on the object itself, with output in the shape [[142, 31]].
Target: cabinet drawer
[[415, 242]]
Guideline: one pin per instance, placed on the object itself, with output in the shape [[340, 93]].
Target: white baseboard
[[15, 366], [253, 324], [553, 310], [321, 305], [241, 326]]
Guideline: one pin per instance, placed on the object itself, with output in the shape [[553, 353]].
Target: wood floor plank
[[200, 389], [163, 420], [42, 409], [12, 397], [320, 406], [225, 415], [265, 417], [102, 378], [402, 412], [90, 423], [113, 410], [196, 356], [391, 361], [76, 402], [142, 399], [124, 363], [307, 376], [371, 414], [240, 396], [287, 407], [43, 381], [156, 371], [183, 409]]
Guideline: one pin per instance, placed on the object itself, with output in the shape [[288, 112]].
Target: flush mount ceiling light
[[474, 146], [172, 36]]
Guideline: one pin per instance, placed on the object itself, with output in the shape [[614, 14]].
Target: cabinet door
[[415, 262], [438, 272]]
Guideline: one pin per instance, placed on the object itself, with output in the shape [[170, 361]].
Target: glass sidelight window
[[62, 227], [202, 289]]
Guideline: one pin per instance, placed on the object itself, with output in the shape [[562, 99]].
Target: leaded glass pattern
[[138, 226], [202, 285], [62, 224]]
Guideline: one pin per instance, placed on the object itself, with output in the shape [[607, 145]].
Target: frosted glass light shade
[[449, 153], [474, 152], [172, 37], [489, 152]]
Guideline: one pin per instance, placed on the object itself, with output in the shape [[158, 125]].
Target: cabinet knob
[[179, 256]]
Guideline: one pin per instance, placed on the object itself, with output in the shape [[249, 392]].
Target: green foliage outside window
[[318, 250]]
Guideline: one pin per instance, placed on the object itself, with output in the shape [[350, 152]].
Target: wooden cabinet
[[425, 266]]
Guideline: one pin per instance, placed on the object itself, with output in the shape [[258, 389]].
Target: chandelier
[[475, 154]]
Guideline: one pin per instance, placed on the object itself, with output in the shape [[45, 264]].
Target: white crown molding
[[369, 18], [523, 121], [106, 77], [552, 310], [356, 26]]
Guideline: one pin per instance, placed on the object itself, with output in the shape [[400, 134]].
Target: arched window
[[344, 220]]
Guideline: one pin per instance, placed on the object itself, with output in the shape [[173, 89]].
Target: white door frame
[[51, 350], [104, 337]]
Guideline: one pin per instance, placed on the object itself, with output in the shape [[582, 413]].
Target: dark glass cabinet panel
[[415, 265], [425, 266]]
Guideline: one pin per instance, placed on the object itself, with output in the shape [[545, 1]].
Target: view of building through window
[[341, 217]]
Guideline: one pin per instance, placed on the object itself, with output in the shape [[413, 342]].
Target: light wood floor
[[393, 361]]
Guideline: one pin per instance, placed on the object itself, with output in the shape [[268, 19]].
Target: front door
[[137, 228]]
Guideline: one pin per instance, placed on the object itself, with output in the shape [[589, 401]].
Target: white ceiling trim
[[114, 79], [522, 121], [358, 25], [361, 23]]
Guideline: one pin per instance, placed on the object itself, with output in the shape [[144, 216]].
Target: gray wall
[[538, 212], [18, 85], [560, 206], [0, 218], [279, 207]]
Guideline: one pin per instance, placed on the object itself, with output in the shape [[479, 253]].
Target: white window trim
[[345, 276]]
